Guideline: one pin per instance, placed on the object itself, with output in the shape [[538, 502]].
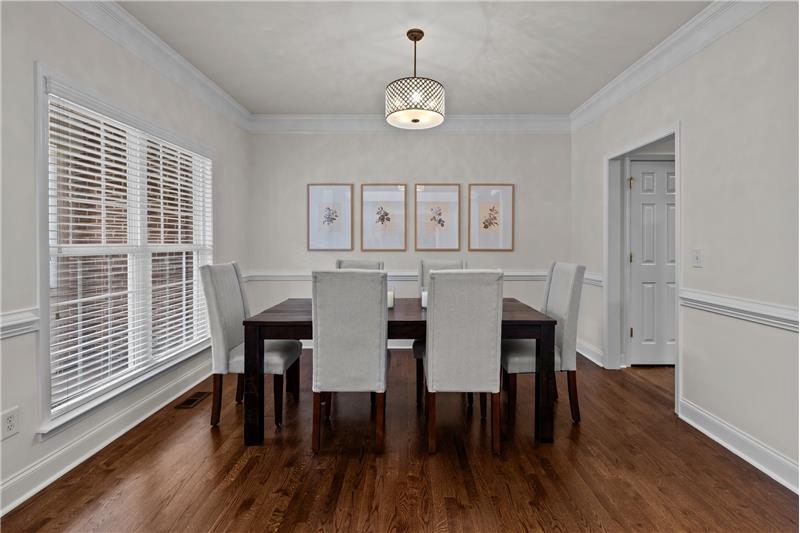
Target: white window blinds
[[129, 224]]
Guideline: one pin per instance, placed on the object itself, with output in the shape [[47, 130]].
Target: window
[[129, 223]]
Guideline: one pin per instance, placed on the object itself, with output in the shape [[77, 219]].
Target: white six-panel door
[[652, 291]]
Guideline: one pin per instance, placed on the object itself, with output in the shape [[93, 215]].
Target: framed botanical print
[[330, 216], [437, 220], [491, 217], [383, 217]]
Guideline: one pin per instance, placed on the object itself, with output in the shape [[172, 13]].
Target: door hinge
[[631, 332], [630, 182], [630, 258]]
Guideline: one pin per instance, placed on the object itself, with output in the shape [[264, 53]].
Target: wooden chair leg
[[372, 402], [277, 396], [512, 396], [327, 398], [420, 380], [293, 380], [496, 423], [216, 399], [315, 422], [483, 405], [430, 405], [239, 388], [572, 386], [380, 421]]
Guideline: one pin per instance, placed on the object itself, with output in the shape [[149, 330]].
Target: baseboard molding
[[592, 353], [771, 462], [35, 477], [19, 322], [767, 314]]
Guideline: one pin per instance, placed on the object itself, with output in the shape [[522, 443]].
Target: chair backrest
[[425, 267], [358, 264], [465, 309], [227, 309], [350, 326], [562, 301]]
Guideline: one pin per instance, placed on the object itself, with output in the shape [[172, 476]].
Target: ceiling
[[337, 57]]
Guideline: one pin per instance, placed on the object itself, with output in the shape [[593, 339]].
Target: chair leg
[[327, 398], [512, 396], [496, 423], [483, 405], [372, 402], [277, 395], [430, 405], [315, 422], [239, 388], [572, 385], [420, 380], [470, 400], [216, 399], [380, 421], [293, 380]]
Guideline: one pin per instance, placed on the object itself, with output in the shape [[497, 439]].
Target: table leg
[[253, 386], [545, 376]]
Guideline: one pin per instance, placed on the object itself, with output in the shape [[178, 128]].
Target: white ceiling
[[332, 57]]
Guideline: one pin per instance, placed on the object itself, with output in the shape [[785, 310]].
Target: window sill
[[59, 422]]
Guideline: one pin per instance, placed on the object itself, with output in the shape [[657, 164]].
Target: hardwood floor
[[629, 465]]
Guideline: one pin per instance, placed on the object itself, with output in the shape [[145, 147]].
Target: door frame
[[627, 289], [613, 249]]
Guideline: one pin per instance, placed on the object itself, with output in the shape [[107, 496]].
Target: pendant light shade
[[415, 103]]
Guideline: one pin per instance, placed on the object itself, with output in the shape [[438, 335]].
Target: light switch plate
[[697, 258]]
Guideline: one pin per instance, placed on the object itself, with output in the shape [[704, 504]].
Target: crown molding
[[112, 20], [767, 314], [700, 31], [375, 123]]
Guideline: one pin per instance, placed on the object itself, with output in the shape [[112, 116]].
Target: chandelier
[[415, 103]]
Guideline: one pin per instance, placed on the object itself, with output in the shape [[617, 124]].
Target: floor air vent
[[192, 400]]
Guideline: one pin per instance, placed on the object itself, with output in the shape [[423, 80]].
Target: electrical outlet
[[10, 423], [697, 258]]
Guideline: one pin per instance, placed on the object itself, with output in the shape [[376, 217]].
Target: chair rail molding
[[19, 322], [411, 275], [768, 314], [700, 31]]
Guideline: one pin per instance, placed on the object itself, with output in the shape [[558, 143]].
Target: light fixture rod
[[415, 59]]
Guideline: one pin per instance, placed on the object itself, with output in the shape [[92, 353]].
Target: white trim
[[590, 352], [22, 485], [773, 463], [112, 20], [593, 278], [394, 344], [768, 314], [375, 123], [19, 322], [700, 31]]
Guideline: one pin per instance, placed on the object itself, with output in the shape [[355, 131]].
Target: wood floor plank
[[630, 465]]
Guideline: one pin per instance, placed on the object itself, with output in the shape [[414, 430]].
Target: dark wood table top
[[297, 311]]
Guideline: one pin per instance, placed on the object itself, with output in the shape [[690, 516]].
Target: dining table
[[292, 319]]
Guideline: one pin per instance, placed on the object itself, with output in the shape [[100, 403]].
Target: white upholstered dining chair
[[358, 264], [227, 309], [423, 279], [462, 345], [562, 301], [350, 323]]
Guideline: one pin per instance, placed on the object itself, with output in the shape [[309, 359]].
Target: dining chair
[[227, 309], [462, 345], [358, 264], [562, 300], [349, 321], [423, 277]]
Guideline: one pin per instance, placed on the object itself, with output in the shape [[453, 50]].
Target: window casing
[[129, 221]]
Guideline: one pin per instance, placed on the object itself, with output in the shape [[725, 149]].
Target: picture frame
[[329, 216], [491, 217], [383, 217], [437, 217]]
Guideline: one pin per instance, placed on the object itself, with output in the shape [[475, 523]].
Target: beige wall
[[49, 33], [736, 102], [284, 164]]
